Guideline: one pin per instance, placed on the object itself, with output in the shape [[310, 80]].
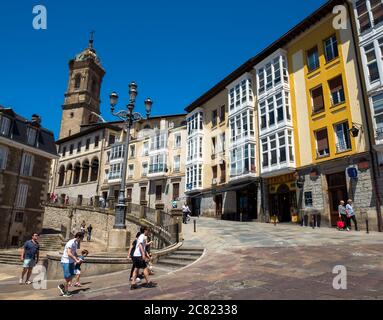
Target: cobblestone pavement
[[248, 261]]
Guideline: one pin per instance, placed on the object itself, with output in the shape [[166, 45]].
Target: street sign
[[352, 172]]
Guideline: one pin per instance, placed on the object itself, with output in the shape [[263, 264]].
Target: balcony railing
[[157, 168], [115, 176], [241, 172]]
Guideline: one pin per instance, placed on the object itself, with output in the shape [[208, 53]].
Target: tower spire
[[91, 39]]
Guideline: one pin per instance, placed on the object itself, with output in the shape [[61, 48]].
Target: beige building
[[156, 165], [221, 168], [91, 151]]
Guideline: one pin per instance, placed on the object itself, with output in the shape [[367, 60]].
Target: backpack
[[134, 244]]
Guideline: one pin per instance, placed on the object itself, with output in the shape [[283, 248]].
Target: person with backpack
[[130, 256]]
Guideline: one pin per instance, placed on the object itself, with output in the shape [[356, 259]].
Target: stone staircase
[[48, 242], [51, 242], [180, 258], [10, 257]]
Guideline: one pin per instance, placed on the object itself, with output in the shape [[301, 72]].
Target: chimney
[[36, 119]]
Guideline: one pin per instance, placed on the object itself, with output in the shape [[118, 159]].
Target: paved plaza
[[247, 261]]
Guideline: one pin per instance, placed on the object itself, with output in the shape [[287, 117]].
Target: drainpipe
[[366, 109]]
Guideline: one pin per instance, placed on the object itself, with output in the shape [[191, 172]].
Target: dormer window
[[31, 136], [5, 125]]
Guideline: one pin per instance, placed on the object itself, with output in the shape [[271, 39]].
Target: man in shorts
[[68, 261], [140, 258], [30, 257]]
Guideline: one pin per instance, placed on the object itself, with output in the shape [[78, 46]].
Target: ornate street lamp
[[129, 117]]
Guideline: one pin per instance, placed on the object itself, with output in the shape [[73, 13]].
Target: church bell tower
[[82, 99]]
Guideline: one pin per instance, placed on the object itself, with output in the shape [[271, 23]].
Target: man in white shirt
[[140, 257], [68, 261]]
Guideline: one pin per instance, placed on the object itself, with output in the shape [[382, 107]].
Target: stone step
[[189, 253], [176, 256], [9, 259], [10, 254], [11, 262], [197, 249], [172, 263]]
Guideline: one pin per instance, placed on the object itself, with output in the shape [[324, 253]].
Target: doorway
[[337, 191], [247, 203], [284, 203], [218, 205], [196, 206]]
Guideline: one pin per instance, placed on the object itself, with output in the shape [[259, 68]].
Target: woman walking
[[351, 215], [343, 215]]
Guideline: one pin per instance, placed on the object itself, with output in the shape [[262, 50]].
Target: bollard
[[368, 230], [195, 225]]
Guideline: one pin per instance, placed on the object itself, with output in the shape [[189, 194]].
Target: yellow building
[[307, 102], [327, 106]]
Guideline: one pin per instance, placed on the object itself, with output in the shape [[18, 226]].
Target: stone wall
[[360, 190], [69, 219]]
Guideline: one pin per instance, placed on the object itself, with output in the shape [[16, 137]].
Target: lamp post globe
[[113, 98], [133, 92], [148, 106]]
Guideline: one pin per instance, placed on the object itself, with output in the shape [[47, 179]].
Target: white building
[[369, 21]]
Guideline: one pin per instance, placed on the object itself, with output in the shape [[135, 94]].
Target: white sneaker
[[21, 281], [138, 280]]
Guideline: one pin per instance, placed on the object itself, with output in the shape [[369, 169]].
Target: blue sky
[[174, 50]]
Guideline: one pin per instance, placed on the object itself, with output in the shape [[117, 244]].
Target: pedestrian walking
[[130, 257], [351, 215], [83, 227], [185, 213], [89, 229], [102, 202], [343, 215], [140, 259], [77, 267], [68, 260], [66, 200], [30, 257]]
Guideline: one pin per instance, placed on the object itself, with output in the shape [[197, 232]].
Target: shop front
[[283, 197]]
